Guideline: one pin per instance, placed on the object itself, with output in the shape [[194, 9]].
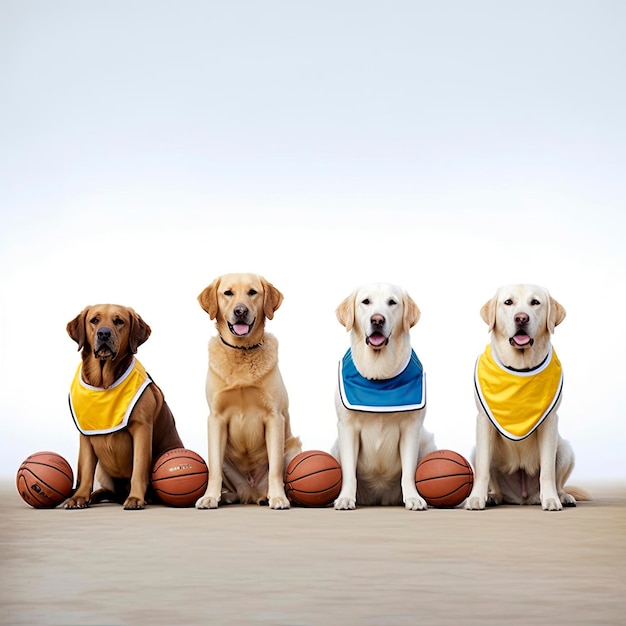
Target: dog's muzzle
[[105, 344], [240, 326], [377, 338]]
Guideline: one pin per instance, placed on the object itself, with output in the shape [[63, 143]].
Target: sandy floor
[[252, 565]]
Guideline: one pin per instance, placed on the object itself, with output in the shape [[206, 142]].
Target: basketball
[[44, 480], [444, 478], [179, 477], [313, 479]]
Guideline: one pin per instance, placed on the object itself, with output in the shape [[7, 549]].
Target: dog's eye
[[93, 320], [535, 302], [391, 302], [508, 302], [118, 321], [228, 292], [366, 301], [252, 292]]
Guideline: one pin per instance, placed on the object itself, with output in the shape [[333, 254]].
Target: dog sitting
[[121, 414], [380, 401], [520, 458], [249, 433]]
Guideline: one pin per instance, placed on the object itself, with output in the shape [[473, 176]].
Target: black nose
[[241, 311], [377, 320], [104, 334], [521, 318]]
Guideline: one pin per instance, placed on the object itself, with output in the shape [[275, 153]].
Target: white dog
[[520, 457], [380, 401]]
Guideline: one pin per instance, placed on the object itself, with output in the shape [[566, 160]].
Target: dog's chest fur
[[242, 367], [237, 391]]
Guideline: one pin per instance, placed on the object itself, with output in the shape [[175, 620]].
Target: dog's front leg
[[482, 464], [547, 440], [275, 444], [217, 446], [409, 447], [348, 440], [87, 461], [141, 433]]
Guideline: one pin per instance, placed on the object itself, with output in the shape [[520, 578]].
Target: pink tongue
[[376, 339], [521, 340], [241, 329]]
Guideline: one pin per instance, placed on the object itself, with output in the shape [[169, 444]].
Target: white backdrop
[[148, 147]]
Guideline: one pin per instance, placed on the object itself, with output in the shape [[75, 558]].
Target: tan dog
[[520, 457], [140, 426], [379, 445], [250, 440]]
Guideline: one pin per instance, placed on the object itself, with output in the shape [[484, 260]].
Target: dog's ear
[[488, 313], [410, 312], [345, 312], [138, 333], [208, 299], [556, 314], [272, 299], [76, 328]]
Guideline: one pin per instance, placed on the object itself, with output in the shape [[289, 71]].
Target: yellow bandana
[[98, 411], [517, 402]]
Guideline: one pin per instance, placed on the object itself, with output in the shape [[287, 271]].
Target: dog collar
[[99, 411], [256, 345], [517, 402], [404, 392]]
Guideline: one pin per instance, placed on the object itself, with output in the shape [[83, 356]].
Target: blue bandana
[[404, 392]]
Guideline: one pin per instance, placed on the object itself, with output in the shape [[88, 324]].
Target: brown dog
[[123, 419], [250, 440]]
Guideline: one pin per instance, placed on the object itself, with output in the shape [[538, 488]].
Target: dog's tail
[[578, 493]]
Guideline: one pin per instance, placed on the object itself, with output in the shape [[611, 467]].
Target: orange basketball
[[44, 480], [313, 479], [444, 478], [179, 477]]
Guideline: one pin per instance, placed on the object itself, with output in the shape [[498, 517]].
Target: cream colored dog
[[381, 436], [520, 457], [250, 440]]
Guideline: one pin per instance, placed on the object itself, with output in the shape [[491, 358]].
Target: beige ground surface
[[252, 565]]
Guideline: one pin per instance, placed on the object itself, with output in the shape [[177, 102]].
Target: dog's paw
[[279, 503], [76, 502], [415, 504], [567, 499], [494, 499], [345, 504], [475, 503], [229, 497], [206, 502], [551, 504], [134, 504]]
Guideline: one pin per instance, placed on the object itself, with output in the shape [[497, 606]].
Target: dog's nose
[[377, 320], [241, 311], [521, 318], [104, 334]]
